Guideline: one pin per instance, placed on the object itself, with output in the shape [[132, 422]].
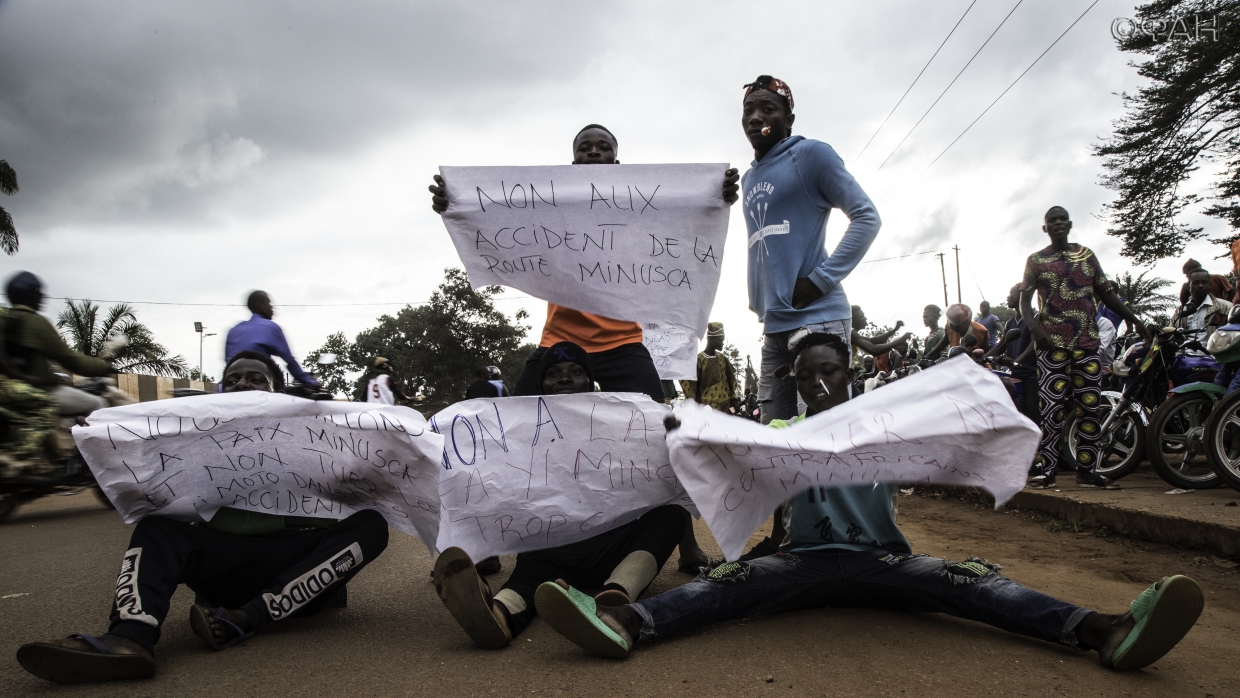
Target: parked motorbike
[[1223, 425], [63, 471], [1175, 438]]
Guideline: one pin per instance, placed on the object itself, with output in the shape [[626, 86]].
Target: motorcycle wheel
[[1223, 439], [1122, 452], [1175, 442]]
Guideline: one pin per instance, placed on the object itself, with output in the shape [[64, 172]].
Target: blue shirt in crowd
[[264, 336], [788, 196], [856, 517], [991, 323]]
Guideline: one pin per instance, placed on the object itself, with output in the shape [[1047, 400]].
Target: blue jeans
[[777, 397], [1228, 377], [873, 578]]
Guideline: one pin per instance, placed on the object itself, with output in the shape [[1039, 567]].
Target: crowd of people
[[829, 547]]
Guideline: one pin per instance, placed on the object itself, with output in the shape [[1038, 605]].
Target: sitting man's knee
[[372, 526]]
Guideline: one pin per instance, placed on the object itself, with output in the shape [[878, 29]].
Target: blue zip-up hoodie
[[787, 198]]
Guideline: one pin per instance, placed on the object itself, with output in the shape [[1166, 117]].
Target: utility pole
[[943, 268], [198, 327], [959, 296]]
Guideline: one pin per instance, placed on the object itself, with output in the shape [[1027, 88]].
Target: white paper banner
[[674, 350], [526, 473], [630, 242], [272, 453], [953, 424]]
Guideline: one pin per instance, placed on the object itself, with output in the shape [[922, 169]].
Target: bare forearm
[[1113, 302]]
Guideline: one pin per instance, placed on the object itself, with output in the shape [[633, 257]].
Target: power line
[[953, 82], [1018, 77], [910, 87], [884, 259], [281, 305]]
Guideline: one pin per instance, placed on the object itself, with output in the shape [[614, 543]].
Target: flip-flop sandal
[[201, 625], [67, 665], [1164, 612], [573, 615], [462, 591], [611, 597]]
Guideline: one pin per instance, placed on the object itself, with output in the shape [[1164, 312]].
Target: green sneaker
[[574, 615], [1164, 613]]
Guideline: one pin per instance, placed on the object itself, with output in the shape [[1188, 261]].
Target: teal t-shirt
[[856, 517]]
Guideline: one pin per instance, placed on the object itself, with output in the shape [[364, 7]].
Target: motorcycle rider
[[260, 334], [382, 388], [1203, 310], [31, 342]]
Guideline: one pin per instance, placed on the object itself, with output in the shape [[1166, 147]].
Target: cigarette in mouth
[[766, 130], [824, 385]]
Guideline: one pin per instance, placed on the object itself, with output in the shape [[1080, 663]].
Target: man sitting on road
[[815, 568], [616, 566], [249, 569], [260, 334], [621, 363]]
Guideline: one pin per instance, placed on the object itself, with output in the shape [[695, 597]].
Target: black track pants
[[270, 576]]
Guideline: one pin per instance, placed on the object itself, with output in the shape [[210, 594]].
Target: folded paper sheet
[[526, 473], [673, 349], [266, 452], [953, 424], [630, 242]]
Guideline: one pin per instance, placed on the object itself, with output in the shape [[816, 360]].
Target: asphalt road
[[395, 638]]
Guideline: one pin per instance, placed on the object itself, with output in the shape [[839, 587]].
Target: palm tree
[[8, 233], [85, 332], [1142, 294]]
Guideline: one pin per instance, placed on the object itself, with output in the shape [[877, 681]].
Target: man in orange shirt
[[620, 362]]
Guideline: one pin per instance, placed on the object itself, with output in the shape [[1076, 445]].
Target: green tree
[[1144, 296], [86, 332], [8, 233], [332, 376], [1188, 114], [435, 347], [196, 375]]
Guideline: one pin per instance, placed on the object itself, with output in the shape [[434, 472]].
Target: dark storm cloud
[[113, 110]]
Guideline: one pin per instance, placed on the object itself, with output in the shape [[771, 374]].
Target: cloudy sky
[[191, 152]]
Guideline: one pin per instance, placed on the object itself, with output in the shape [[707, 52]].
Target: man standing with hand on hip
[[789, 192]]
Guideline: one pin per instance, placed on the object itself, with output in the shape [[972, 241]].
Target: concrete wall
[[146, 388]]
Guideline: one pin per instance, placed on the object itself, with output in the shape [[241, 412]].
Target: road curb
[[1159, 528]]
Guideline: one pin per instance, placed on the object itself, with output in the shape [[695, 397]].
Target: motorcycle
[[63, 471], [1175, 437], [1222, 427]]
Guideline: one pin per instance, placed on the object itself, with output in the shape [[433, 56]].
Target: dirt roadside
[[396, 639]]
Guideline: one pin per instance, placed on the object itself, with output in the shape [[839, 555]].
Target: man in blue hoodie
[[789, 192]]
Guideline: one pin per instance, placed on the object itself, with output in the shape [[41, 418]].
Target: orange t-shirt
[[594, 333]]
